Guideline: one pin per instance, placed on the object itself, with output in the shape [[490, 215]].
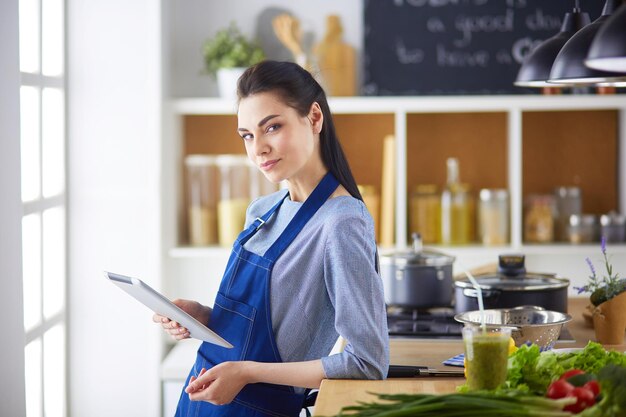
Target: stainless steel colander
[[528, 324]]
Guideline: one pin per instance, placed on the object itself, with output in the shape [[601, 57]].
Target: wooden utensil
[[287, 30], [336, 60]]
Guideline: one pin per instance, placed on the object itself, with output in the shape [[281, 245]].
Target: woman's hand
[[193, 308], [220, 384]]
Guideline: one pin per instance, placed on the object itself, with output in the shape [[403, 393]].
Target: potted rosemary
[[608, 301], [227, 55]]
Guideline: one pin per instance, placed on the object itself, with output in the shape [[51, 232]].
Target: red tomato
[[584, 398], [593, 386], [571, 373], [559, 389]]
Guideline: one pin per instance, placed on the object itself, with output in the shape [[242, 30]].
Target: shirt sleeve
[[356, 292]]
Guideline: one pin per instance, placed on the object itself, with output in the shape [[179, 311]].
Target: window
[[43, 144]]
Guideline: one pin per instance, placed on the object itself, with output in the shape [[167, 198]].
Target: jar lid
[[612, 219], [200, 160], [522, 282], [491, 194], [564, 192], [582, 220], [232, 160]]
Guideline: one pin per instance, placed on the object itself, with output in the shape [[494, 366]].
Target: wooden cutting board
[[337, 393], [336, 61]]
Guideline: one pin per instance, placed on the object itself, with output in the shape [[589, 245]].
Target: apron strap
[[318, 197], [258, 222]]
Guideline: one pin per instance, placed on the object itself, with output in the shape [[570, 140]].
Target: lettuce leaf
[[531, 370]]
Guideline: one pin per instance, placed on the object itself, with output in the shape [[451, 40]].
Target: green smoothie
[[486, 356]]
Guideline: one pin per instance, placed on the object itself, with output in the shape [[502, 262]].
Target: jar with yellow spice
[[425, 213], [234, 196]]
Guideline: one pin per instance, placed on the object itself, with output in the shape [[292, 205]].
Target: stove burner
[[435, 323]]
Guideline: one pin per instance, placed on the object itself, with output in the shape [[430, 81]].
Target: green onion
[[476, 404]]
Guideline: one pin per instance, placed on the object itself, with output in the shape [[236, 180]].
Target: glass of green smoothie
[[486, 356]]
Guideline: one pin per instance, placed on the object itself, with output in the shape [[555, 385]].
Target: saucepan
[[417, 278]]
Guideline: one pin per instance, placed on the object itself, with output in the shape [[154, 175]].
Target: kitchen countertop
[[337, 393]]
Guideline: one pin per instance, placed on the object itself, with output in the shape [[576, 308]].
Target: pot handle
[[472, 293]]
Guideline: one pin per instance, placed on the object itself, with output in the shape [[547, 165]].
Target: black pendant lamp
[[569, 65], [608, 49], [535, 69]]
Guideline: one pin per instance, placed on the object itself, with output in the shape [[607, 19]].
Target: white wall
[[193, 21], [11, 310], [114, 98]]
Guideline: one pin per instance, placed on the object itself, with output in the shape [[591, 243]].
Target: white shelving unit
[[400, 107]]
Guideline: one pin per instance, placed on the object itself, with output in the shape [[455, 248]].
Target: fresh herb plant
[[605, 288], [229, 48]]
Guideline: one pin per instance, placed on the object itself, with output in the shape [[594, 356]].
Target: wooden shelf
[[526, 144]]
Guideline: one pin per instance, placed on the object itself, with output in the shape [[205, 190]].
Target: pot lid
[[521, 282], [419, 256], [424, 257]]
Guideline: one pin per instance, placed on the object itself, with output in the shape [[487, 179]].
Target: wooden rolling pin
[[388, 194]]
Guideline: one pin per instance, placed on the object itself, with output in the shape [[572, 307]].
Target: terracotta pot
[[609, 320]]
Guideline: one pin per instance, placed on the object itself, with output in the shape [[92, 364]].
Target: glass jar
[[425, 213], [259, 184], [202, 190], [613, 227], [568, 202], [582, 228], [493, 216], [234, 196], [371, 199], [457, 215], [539, 219]]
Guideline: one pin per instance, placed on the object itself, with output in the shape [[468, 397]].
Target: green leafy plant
[[229, 48], [605, 288]]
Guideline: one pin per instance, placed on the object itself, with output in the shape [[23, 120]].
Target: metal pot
[[417, 278], [512, 287]]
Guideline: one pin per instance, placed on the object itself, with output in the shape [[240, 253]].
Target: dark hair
[[298, 89]]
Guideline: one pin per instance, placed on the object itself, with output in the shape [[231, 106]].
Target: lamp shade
[[608, 49], [535, 69], [569, 65]]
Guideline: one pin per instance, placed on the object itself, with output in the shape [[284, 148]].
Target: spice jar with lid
[[493, 216], [539, 219], [568, 202], [425, 213], [582, 228], [613, 227], [202, 191], [234, 196]]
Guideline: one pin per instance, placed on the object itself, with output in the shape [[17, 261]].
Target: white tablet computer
[[161, 305]]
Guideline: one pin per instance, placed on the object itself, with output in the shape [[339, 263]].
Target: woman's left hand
[[220, 384]]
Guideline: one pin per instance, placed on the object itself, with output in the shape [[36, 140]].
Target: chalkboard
[[437, 47]]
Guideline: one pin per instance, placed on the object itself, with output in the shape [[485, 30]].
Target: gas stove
[[434, 323]]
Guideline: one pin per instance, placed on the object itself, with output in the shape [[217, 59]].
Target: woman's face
[[281, 143]]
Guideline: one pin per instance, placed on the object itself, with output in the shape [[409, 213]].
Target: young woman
[[303, 271]]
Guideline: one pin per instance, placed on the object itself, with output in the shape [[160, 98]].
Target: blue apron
[[241, 314]]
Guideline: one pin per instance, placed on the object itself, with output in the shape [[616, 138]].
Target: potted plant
[[227, 55], [608, 301]]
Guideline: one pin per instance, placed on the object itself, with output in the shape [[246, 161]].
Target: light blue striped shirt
[[324, 285]]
